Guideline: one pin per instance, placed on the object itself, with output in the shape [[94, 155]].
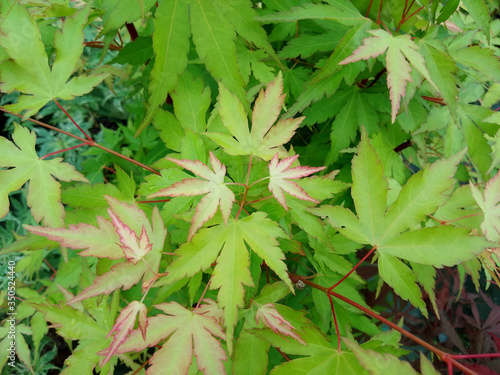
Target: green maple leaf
[[264, 139], [399, 49], [339, 11], [89, 328], [225, 245], [171, 45], [119, 12], [44, 195], [387, 229], [213, 26], [28, 70], [317, 357], [188, 332], [490, 205], [218, 194], [379, 363], [134, 239]]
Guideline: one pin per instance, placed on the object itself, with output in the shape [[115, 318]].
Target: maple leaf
[[316, 357], [280, 175], [387, 229], [133, 252], [273, 319], [379, 363], [129, 221], [399, 49], [171, 45], [490, 205], [188, 332], [28, 70], [218, 194], [225, 245], [264, 139], [125, 324], [44, 196]]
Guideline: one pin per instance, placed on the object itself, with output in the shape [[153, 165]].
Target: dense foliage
[[283, 187]]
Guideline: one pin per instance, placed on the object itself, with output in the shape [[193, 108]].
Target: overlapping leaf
[[489, 202], [124, 325], [273, 319], [225, 245], [218, 194], [336, 10], [130, 225], [399, 49], [188, 332], [316, 358], [379, 363], [213, 26], [44, 195], [171, 45], [264, 139], [28, 70], [422, 195], [280, 175]]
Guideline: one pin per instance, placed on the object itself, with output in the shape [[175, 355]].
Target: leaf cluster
[[277, 176]]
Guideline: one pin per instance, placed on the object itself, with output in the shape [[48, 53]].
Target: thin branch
[[379, 11], [63, 150], [73, 121], [369, 8], [352, 269], [203, 294], [132, 31], [446, 357], [246, 189], [92, 143]]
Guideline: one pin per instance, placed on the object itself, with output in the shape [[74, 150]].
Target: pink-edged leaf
[[188, 332], [97, 242], [279, 134], [124, 325], [490, 205], [272, 318], [267, 108], [122, 275], [264, 139], [371, 47], [210, 308], [133, 251], [217, 193], [398, 73], [279, 181], [399, 49], [105, 242]]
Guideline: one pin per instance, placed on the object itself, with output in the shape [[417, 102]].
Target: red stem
[[202, 294], [404, 10], [66, 149], [353, 269], [434, 100], [337, 331], [97, 44], [246, 189], [91, 143], [379, 11], [132, 31], [442, 355], [411, 15], [283, 354], [73, 121], [369, 8]]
